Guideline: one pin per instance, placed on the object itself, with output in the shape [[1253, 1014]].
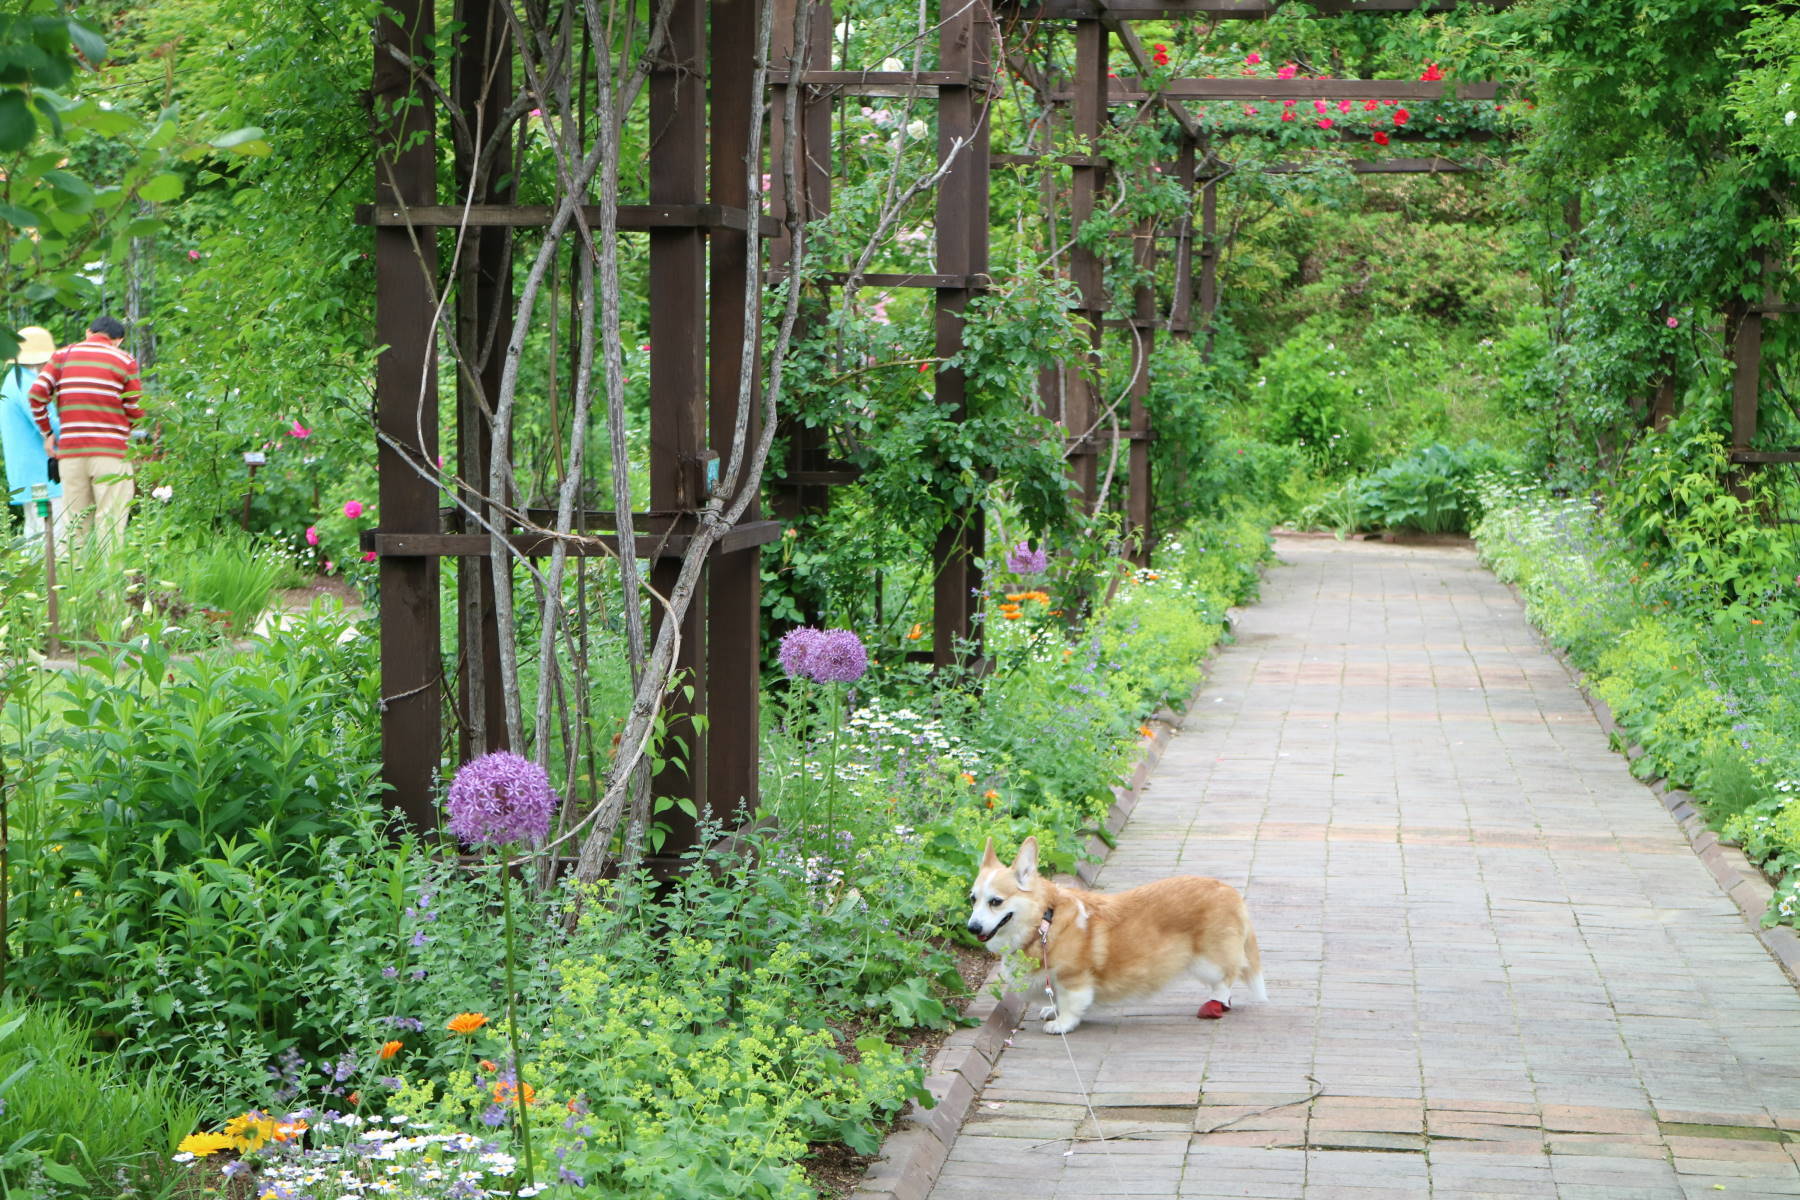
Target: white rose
[[916, 130], [1789, 119]]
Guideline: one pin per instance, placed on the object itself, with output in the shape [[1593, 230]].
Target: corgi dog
[[1098, 946]]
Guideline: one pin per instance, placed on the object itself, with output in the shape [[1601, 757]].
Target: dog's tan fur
[[1112, 946]]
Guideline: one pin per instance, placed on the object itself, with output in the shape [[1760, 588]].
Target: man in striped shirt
[[95, 387]]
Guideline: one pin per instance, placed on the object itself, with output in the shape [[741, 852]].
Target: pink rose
[[1253, 58], [353, 509], [1673, 323], [368, 556], [298, 430], [312, 535], [193, 256]]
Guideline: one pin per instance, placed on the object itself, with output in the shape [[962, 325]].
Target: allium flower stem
[[512, 1030], [831, 780]]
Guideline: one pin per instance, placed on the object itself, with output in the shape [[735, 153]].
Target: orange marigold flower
[[289, 1131], [990, 794], [488, 1065], [506, 1093], [916, 632], [354, 1098], [1754, 621], [389, 1049], [465, 1022], [1146, 731], [1014, 615], [967, 778]]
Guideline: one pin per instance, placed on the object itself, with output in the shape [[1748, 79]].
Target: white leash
[[1074, 1068]]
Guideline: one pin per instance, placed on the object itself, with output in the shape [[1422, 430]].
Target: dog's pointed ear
[[1026, 864], [988, 857]]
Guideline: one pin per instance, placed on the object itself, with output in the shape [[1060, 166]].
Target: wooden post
[[407, 411], [1143, 346], [734, 601], [808, 449], [1209, 265], [1181, 301], [962, 249], [1082, 401], [481, 86], [678, 424]]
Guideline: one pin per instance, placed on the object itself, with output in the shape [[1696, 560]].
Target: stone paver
[[1495, 966]]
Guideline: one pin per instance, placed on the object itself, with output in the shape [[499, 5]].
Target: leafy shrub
[[1312, 403], [1433, 490]]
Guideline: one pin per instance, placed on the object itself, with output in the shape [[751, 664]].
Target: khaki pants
[[97, 494]]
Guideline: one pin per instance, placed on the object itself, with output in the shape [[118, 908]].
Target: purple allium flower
[[1025, 561], [797, 648], [839, 657], [499, 799]]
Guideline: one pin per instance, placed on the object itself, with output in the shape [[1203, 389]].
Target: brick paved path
[[1488, 948]]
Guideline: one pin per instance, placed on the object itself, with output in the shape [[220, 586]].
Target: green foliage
[[79, 1124], [1311, 403], [172, 812], [1703, 525], [1433, 490]]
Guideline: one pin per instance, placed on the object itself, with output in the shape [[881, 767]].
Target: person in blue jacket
[[26, 462]]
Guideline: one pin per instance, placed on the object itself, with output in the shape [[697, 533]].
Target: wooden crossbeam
[[1126, 91], [631, 216], [1246, 10]]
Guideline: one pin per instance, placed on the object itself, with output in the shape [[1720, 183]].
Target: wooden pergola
[[697, 221]]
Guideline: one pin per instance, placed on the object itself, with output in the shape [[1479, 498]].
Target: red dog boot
[[1212, 1010]]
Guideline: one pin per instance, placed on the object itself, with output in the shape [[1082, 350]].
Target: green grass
[[74, 1124]]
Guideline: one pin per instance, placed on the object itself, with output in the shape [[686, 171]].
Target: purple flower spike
[[839, 657], [1025, 561], [499, 799], [797, 649]]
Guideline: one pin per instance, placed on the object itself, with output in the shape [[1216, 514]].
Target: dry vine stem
[[586, 158]]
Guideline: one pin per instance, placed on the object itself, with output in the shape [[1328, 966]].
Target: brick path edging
[[1742, 880], [912, 1157]]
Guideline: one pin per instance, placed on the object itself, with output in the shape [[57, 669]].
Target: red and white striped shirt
[[96, 389]]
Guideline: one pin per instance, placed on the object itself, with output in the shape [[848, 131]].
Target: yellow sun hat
[[35, 346]]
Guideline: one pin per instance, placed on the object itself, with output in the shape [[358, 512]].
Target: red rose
[[1401, 116]]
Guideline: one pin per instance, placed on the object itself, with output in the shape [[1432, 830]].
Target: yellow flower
[[202, 1144], [465, 1022]]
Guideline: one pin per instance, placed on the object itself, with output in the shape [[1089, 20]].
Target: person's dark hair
[[112, 327]]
